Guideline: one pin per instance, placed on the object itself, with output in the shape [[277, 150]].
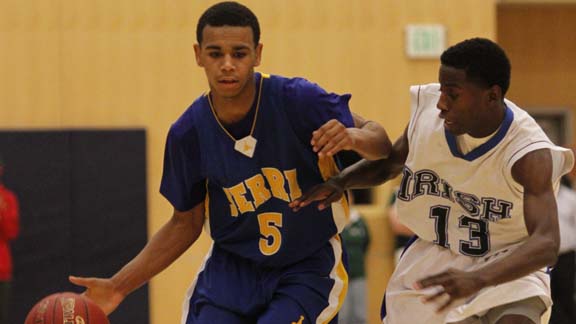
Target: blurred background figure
[[563, 275], [402, 234], [356, 238], [8, 232]]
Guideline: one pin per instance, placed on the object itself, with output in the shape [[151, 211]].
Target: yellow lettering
[[270, 224], [292, 178], [233, 209], [276, 181], [238, 192], [300, 321], [258, 190]]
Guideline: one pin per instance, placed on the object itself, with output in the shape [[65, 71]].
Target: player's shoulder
[[422, 93], [525, 136], [191, 117], [429, 89], [520, 115], [286, 81], [524, 129], [293, 87], [424, 97]]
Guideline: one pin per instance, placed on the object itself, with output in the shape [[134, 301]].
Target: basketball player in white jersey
[[478, 183]]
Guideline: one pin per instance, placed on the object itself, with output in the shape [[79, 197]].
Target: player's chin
[[453, 129]]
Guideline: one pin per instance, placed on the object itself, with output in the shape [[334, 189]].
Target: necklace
[[246, 145]]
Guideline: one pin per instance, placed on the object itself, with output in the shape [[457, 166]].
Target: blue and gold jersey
[[246, 198]]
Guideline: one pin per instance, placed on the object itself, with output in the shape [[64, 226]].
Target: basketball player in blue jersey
[[233, 162], [478, 190]]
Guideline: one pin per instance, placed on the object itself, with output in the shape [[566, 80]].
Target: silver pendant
[[246, 146]]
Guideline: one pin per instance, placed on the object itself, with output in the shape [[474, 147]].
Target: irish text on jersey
[[427, 182]]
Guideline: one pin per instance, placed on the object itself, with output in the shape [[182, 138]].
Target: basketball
[[66, 307]]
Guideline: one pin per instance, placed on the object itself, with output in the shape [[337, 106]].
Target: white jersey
[[466, 209], [566, 200], [468, 202]]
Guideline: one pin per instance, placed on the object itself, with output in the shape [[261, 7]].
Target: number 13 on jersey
[[479, 237]]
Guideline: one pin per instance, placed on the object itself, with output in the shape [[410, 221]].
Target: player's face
[[463, 105], [228, 55]]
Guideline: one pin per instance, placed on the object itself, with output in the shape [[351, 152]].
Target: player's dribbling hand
[[101, 291], [331, 138], [455, 284], [327, 193]]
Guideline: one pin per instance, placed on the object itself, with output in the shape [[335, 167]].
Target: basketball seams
[[86, 310], [54, 313], [66, 307]]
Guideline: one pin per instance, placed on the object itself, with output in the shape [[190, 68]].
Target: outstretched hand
[[454, 284], [101, 291], [331, 138], [327, 193]]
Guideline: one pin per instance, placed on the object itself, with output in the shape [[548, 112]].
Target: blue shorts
[[234, 290]]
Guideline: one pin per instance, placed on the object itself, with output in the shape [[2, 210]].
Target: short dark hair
[[483, 60], [228, 13]]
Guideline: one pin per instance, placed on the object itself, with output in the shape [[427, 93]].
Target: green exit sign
[[425, 41]]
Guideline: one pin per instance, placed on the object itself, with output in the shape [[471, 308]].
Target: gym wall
[[82, 197]]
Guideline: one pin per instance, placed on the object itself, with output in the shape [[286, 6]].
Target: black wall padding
[[82, 211]]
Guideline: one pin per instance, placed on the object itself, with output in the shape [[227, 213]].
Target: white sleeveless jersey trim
[[442, 199], [531, 138], [416, 93]]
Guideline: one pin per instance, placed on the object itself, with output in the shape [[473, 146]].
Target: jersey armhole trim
[[413, 118]]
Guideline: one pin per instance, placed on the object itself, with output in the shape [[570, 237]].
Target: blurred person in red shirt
[[9, 227]]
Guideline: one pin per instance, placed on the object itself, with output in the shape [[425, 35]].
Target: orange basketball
[[66, 308]]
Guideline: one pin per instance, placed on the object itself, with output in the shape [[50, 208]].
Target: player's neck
[[490, 124], [230, 110]]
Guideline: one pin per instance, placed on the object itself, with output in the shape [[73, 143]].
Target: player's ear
[[197, 51], [495, 94], [258, 54]]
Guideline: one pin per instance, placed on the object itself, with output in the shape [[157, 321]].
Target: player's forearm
[[371, 141], [368, 173], [536, 253], [173, 239]]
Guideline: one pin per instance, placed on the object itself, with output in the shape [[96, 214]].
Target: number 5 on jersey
[[270, 224]]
